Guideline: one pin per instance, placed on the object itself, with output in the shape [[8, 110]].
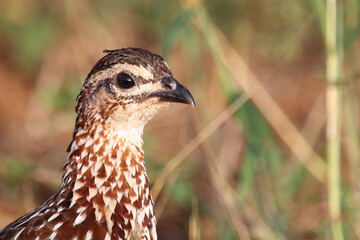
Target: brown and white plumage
[[105, 191]]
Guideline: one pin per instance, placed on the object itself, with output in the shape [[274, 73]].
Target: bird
[[105, 192]]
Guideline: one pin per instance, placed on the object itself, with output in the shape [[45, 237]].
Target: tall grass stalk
[[194, 224], [334, 103]]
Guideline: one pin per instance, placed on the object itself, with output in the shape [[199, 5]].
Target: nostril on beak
[[168, 83]]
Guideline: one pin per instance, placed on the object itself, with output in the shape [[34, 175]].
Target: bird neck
[[106, 173]]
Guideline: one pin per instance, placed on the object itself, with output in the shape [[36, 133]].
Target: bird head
[[128, 87]]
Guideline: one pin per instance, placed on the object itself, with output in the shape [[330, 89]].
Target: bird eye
[[125, 81]]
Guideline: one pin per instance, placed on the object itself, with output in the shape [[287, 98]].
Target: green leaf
[[174, 30], [15, 171], [181, 193]]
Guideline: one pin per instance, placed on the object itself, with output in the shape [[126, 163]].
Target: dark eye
[[125, 81]]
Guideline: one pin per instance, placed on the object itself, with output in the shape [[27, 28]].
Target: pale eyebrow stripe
[[137, 71]]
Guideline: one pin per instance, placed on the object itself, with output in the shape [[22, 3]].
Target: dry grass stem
[[194, 224], [314, 122], [266, 104], [228, 196], [164, 198], [333, 108], [224, 193], [194, 143]]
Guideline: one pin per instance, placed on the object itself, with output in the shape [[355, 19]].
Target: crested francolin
[[105, 192]]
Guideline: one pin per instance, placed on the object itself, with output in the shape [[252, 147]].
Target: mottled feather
[[105, 192]]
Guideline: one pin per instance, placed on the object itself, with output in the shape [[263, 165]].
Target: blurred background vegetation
[[249, 162]]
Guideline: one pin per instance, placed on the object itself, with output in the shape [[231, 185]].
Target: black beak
[[173, 92]]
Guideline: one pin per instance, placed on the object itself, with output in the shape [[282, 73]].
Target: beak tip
[[189, 98]]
